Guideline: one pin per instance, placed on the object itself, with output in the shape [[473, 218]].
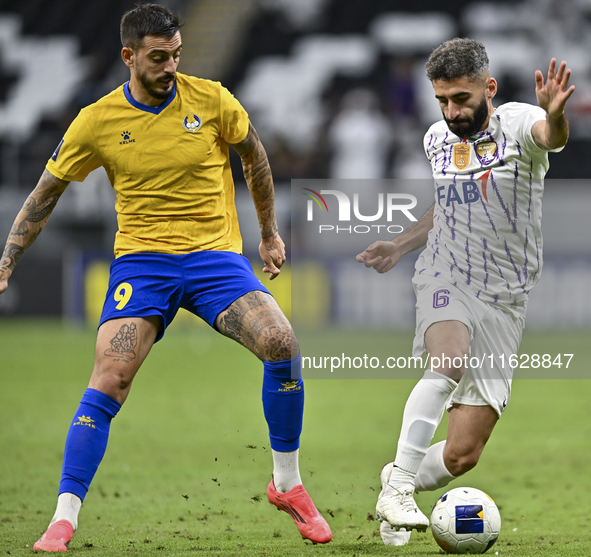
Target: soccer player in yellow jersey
[[163, 139]]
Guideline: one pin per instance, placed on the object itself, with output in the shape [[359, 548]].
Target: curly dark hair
[[458, 58], [147, 19]]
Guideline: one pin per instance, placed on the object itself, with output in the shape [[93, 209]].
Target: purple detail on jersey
[[539, 260], [492, 258], [492, 224], [503, 148], [470, 218], [525, 244], [431, 139], [485, 245], [518, 147], [422, 271], [515, 268], [455, 263], [531, 188], [478, 294], [496, 298], [469, 273], [454, 221], [437, 273], [515, 186], [446, 158], [512, 222]]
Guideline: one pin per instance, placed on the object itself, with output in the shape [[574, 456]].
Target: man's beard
[[149, 87], [465, 127]]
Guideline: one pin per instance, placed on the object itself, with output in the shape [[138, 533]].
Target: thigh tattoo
[[260, 326]]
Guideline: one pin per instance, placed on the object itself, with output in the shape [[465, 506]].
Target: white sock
[[286, 473], [68, 507], [422, 414], [433, 473]]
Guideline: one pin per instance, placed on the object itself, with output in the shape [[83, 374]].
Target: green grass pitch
[[188, 459]]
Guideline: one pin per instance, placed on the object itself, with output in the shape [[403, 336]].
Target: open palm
[[553, 94]]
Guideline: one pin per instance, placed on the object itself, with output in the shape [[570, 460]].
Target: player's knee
[[460, 462], [452, 362], [281, 344], [114, 381]]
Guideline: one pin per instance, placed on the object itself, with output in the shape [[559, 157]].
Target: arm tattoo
[[32, 218], [257, 173], [39, 212], [12, 254]]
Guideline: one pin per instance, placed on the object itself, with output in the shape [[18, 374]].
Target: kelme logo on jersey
[[486, 152], [126, 136], [461, 155], [192, 122]]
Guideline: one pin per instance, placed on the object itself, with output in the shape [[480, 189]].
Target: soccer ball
[[465, 520]]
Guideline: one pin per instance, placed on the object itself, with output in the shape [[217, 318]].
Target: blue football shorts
[[204, 283]]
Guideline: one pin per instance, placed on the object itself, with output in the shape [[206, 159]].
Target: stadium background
[[335, 90], [187, 466]]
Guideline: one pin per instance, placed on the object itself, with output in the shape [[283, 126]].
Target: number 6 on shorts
[[123, 294], [440, 298]]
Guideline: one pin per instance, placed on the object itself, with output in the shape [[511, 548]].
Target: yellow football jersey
[[169, 165]]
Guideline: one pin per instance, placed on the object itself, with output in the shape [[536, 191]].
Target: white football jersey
[[486, 236]]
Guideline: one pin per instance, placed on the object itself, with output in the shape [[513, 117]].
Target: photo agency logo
[[342, 213]]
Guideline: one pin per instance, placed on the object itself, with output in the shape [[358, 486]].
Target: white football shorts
[[495, 334]]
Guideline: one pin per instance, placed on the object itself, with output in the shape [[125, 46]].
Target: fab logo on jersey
[[192, 122], [463, 192]]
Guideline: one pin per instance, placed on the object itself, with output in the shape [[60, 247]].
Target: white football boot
[[393, 537], [398, 508]]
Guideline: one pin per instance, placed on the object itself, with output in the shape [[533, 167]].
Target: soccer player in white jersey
[[482, 256]]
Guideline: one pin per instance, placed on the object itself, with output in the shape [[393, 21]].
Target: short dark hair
[[457, 58], [147, 19]]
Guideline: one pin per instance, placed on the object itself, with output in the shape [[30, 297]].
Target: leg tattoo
[[123, 343]]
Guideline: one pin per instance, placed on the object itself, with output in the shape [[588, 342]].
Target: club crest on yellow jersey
[[192, 122], [461, 155]]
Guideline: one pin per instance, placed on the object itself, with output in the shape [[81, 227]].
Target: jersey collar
[[145, 107]]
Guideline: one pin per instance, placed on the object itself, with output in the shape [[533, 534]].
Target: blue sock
[[87, 441], [283, 403]]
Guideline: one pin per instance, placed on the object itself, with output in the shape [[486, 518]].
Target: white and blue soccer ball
[[465, 520]]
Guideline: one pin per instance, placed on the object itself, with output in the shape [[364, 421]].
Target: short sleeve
[[76, 156], [234, 119], [520, 119]]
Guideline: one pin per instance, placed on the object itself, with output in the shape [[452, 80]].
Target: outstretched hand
[[272, 252], [553, 94], [382, 256]]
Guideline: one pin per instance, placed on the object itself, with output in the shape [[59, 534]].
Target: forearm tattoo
[[12, 253], [123, 343], [31, 219], [258, 324], [257, 173]]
